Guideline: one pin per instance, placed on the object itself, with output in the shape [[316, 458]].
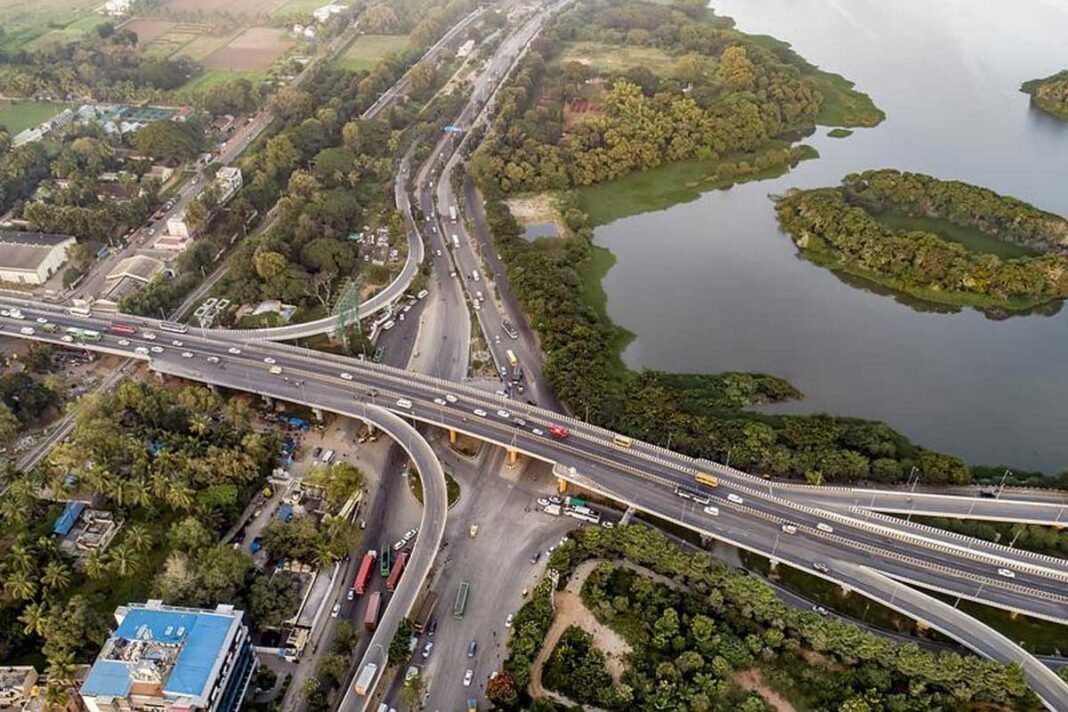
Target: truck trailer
[[370, 617], [364, 573], [397, 571]]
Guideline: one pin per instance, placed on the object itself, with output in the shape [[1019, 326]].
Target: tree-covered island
[[1050, 94], [940, 241]]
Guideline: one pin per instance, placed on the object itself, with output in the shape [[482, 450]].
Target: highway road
[[641, 474]]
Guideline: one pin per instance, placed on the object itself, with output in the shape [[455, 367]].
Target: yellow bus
[[706, 479], [512, 360], [621, 441]]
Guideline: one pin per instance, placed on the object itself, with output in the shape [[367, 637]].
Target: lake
[[713, 285]]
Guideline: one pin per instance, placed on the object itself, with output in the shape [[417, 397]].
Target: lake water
[[713, 285]]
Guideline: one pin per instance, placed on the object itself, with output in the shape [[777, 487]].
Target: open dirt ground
[[254, 49]]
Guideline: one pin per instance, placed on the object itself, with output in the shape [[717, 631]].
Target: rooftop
[[179, 649], [26, 250], [140, 267]]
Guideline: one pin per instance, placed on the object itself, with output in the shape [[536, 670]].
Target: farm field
[[615, 58], [25, 21], [255, 49], [24, 114], [216, 76], [231, 7], [368, 49], [297, 7]]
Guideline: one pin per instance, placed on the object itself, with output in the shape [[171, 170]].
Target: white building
[[118, 8], [465, 49], [325, 12], [228, 181], [176, 226], [31, 257]]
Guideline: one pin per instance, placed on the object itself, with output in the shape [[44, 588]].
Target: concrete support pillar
[[318, 414], [774, 563], [627, 516], [214, 389], [269, 401], [452, 436], [705, 539], [561, 486], [1014, 614], [513, 456], [846, 590]]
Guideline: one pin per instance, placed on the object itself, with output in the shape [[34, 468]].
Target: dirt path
[[753, 680]]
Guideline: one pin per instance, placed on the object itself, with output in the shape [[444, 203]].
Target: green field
[[972, 239], [26, 21], [24, 114], [297, 7], [617, 58], [217, 76], [366, 50]]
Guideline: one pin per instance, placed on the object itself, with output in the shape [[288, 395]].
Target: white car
[[187, 354], [399, 544], [26, 330], [450, 397], [437, 252], [537, 431], [124, 342], [213, 359], [67, 338], [714, 511], [508, 620], [177, 343], [543, 502], [439, 401], [735, 498], [468, 676], [825, 528], [1007, 573], [427, 648], [269, 360], [388, 325], [148, 336], [410, 534], [404, 403], [346, 376], [42, 320], [337, 610], [141, 350], [504, 414], [233, 350], [156, 349], [480, 413]]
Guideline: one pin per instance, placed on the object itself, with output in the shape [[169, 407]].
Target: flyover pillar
[[627, 516], [318, 413], [452, 436], [513, 456], [561, 485], [213, 388], [269, 401]]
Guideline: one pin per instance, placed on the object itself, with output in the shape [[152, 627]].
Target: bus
[[692, 493], [83, 334], [118, 327], [456, 242], [426, 610], [366, 679], [80, 311], [584, 514], [705, 479], [512, 360], [622, 441], [387, 559], [173, 327], [461, 600]]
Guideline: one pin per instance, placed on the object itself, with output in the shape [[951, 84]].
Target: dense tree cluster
[[169, 139], [838, 225], [690, 640], [21, 169], [108, 68], [701, 414], [728, 94], [1050, 94]]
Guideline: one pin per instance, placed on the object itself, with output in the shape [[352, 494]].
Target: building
[[129, 276], [31, 257], [325, 12], [83, 530], [176, 226], [118, 8], [166, 658], [16, 686], [465, 49], [228, 181]]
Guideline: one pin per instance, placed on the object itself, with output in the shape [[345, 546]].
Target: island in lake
[[1050, 94], [946, 242]]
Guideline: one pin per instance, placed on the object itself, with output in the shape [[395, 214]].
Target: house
[[16, 686], [32, 257], [118, 8], [228, 180], [325, 12]]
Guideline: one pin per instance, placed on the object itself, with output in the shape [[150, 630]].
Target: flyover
[[642, 473]]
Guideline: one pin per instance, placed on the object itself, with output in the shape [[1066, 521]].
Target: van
[[328, 456], [621, 441], [789, 528], [404, 403], [825, 528], [479, 297]]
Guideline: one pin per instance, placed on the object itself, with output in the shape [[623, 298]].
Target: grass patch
[[973, 240], [839, 133], [366, 50], [217, 76], [25, 21], [17, 116], [591, 273], [297, 7], [618, 58], [671, 183], [452, 488], [843, 105]]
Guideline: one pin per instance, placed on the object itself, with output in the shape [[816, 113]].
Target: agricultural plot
[[17, 116], [28, 21], [255, 49], [297, 7], [616, 58], [231, 7], [366, 50]]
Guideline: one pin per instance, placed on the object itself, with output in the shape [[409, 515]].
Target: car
[[399, 544], [437, 252], [473, 531], [336, 610], [480, 413], [508, 620], [735, 498], [404, 403], [177, 343], [1007, 573], [41, 320], [709, 509], [213, 359], [501, 393], [427, 648], [151, 231], [552, 548], [407, 308], [275, 370], [350, 595], [504, 414], [477, 305], [450, 397], [558, 431], [317, 452], [410, 534], [472, 648], [233, 350], [537, 431], [346, 376], [821, 610], [553, 499], [67, 338], [497, 338], [269, 360], [433, 627], [123, 342], [519, 422], [439, 401], [821, 567], [535, 557], [148, 336], [4, 312], [468, 676], [608, 525], [26, 330], [388, 325], [789, 529], [187, 354], [825, 527], [542, 502]]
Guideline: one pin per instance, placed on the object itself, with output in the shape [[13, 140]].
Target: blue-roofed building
[[66, 521], [163, 658]]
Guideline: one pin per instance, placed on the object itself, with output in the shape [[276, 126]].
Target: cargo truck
[[452, 213], [397, 571], [553, 509], [366, 679], [364, 573], [370, 617], [422, 619]]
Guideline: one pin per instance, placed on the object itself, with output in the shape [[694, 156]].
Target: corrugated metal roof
[[65, 522]]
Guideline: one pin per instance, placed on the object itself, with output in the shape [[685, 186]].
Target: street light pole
[[1002, 485]]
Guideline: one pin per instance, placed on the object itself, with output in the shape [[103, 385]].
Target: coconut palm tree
[[180, 496], [56, 575], [34, 618], [20, 557], [20, 586], [122, 560], [138, 538], [96, 565]]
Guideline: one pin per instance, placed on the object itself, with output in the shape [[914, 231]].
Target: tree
[[168, 139], [280, 156], [9, 424], [501, 690], [412, 692], [269, 264], [138, 538], [56, 575], [399, 649], [338, 481], [290, 103], [271, 601], [196, 216], [34, 618]]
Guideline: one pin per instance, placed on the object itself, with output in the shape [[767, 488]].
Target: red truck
[[370, 618], [396, 571], [366, 566]]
